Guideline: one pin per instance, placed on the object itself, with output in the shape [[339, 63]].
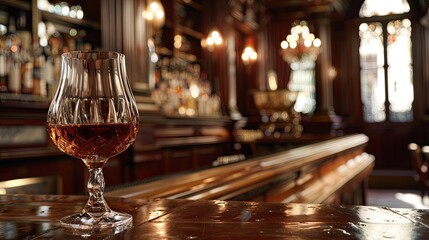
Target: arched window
[[386, 74]]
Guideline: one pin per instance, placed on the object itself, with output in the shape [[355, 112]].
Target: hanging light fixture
[[300, 46], [214, 38], [155, 13], [249, 55]]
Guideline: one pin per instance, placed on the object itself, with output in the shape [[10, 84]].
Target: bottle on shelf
[[182, 90], [47, 73], [4, 65], [13, 46], [26, 71], [26, 54], [39, 84], [14, 81], [29, 67]]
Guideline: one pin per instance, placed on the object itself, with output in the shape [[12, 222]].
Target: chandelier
[[300, 46]]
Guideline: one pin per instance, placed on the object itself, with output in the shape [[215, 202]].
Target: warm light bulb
[[210, 41], [305, 30], [154, 6], [253, 55], [215, 34], [159, 14], [295, 37], [148, 15], [307, 43], [317, 42], [218, 41], [284, 44]]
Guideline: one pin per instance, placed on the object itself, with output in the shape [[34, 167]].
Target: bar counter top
[[37, 217]]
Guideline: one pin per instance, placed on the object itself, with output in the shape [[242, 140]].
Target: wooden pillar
[[324, 119], [324, 102], [124, 30]]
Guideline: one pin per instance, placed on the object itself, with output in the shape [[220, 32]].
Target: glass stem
[[96, 205]]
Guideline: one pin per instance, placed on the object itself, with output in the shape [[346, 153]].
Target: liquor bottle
[[13, 45], [4, 65], [26, 55], [13, 42], [14, 81], [48, 71], [55, 45], [39, 86], [26, 73]]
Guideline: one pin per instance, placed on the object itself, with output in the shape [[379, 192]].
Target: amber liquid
[[94, 143]]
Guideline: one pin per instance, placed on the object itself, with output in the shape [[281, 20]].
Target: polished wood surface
[[37, 217], [316, 173]]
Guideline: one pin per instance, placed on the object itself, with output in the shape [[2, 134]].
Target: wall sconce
[[249, 55], [155, 13], [213, 39], [301, 46]]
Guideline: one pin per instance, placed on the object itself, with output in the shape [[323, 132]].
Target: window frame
[[384, 21]]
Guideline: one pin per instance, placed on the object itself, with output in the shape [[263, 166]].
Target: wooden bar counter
[[37, 217], [334, 170]]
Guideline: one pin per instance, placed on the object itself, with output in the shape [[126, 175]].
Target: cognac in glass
[[93, 116]]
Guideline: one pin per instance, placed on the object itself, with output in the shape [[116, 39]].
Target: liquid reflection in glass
[[94, 117]]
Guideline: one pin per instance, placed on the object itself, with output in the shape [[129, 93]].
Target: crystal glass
[[93, 116]]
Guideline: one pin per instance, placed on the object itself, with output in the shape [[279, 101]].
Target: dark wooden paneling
[[148, 164]]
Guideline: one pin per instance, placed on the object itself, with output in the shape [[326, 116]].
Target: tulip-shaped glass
[[93, 116]]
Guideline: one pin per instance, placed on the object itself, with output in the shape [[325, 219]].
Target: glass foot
[[84, 224]]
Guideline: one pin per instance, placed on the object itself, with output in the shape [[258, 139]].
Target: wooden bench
[[329, 171]]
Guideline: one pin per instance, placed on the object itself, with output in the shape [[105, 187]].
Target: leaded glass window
[[390, 40], [372, 8], [400, 73], [372, 71]]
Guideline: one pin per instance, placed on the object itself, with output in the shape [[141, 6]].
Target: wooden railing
[[321, 172]]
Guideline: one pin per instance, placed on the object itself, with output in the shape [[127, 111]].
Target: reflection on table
[[37, 216]]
